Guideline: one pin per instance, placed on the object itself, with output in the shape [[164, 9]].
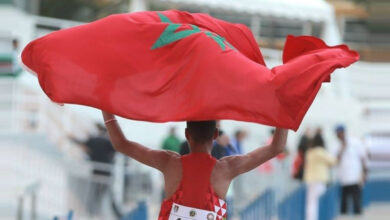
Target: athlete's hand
[[279, 140]]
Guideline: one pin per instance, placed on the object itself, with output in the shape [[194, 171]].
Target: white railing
[[29, 193], [25, 109]]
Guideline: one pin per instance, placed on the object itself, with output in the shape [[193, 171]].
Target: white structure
[[313, 10], [24, 108], [363, 91]]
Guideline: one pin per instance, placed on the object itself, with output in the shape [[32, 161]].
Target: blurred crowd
[[101, 153], [312, 163], [223, 145]]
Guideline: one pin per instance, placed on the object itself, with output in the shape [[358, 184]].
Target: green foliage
[[82, 10], [6, 1]]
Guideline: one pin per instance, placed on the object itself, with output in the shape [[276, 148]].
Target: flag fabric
[[172, 65]]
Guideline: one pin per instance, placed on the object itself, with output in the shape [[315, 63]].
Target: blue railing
[[139, 213], [376, 191], [330, 203], [262, 208], [230, 208], [292, 207], [69, 216]]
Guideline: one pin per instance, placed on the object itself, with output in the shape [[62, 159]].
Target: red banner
[[178, 66]]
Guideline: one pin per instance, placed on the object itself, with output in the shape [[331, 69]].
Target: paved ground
[[373, 212]]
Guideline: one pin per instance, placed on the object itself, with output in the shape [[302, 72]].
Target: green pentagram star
[[170, 34]]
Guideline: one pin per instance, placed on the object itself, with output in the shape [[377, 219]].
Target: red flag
[[178, 66]]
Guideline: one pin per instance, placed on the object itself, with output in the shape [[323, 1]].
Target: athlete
[[195, 184]]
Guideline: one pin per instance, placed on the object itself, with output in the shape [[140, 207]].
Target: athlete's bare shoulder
[[226, 164], [221, 176], [173, 155], [174, 160], [222, 166]]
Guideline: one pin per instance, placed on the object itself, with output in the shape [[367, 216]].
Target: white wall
[[17, 24]]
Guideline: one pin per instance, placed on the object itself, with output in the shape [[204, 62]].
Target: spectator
[[299, 161], [171, 142], [352, 170], [318, 161], [184, 148], [221, 145], [219, 150], [236, 143], [15, 57], [101, 152]]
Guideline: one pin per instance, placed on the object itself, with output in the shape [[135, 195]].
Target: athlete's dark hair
[[201, 131]]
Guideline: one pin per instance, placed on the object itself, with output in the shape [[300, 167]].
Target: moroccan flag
[[177, 66]]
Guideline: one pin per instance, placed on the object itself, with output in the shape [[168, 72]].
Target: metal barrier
[[139, 213], [30, 192], [99, 190], [292, 207], [230, 208], [330, 203], [261, 208], [69, 216], [376, 191], [65, 184]]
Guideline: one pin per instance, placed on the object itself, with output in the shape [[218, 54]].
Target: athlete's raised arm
[[243, 163], [155, 158]]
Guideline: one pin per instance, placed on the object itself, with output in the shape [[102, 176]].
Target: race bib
[[180, 212]]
